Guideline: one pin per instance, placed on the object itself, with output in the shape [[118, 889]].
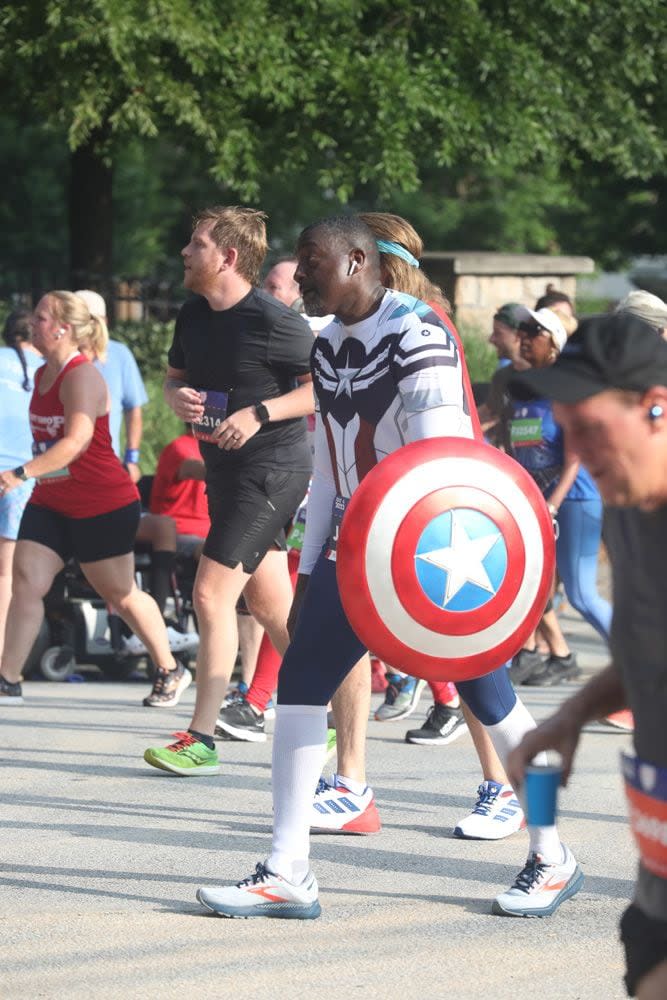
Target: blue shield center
[[461, 560]]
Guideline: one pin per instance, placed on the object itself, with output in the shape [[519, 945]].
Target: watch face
[[262, 413]]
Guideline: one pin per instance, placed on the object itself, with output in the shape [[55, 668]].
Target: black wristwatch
[[20, 473], [262, 413]]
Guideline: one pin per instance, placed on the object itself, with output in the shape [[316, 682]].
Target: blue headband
[[398, 251]]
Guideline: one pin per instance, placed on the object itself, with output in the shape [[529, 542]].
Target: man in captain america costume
[[386, 372]]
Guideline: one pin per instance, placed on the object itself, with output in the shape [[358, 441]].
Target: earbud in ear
[[655, 412], [352, 268]]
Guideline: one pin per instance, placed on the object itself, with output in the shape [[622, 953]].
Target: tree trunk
[[90, 218]]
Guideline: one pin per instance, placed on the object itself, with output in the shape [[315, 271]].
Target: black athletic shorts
[[88, 539], [249, 508], [645, 942]]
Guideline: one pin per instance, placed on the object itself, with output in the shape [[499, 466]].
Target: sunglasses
[[532, 331]]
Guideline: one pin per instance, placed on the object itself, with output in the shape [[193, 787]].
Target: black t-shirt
[[253, 352]]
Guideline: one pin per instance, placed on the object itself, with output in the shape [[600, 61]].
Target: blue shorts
[[12, 506], [325, 648]]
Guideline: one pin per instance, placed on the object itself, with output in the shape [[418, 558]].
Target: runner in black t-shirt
[[239, 371]]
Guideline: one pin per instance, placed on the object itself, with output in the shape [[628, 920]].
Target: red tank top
[[467, 386], [95, 482]]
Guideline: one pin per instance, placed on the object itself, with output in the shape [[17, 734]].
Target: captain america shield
[[445, 558]]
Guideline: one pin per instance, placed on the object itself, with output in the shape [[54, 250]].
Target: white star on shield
[[462, 560]]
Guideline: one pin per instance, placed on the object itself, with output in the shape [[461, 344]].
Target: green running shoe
[[187, 757]]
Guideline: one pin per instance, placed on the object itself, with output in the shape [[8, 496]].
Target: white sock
[[544, 840], [299, 749], [505, 736], [358, 787]]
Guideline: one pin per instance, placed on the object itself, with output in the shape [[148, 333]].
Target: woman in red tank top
[[84, 504]]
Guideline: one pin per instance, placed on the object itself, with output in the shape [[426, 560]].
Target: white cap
[[548, 319], [647, 306], [96, 304]]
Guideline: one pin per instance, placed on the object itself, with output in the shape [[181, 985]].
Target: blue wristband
[[131, 456]]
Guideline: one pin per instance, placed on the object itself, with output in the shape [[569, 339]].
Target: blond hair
[[241, 228], [87, 330], [396, 272]]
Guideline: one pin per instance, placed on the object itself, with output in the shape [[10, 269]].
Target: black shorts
[[88, 539], [645, 942], [249, 508]]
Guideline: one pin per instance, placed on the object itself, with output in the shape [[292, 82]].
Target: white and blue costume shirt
[[391, 379]]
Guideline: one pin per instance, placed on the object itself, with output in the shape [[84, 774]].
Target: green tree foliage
[[357, 91], [517, 124]]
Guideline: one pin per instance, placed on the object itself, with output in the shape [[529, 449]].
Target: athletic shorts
[[248, 509], [87, 539], [187, 545], [645, 941], [12, 506]]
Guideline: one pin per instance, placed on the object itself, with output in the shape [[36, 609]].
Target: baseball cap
[[511, 314], [549, 321], [614, 351], [647, 306], [94, 301]]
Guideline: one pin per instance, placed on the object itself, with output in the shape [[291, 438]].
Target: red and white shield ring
[[445, 558]]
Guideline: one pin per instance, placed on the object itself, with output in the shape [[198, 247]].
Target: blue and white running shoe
[[338, 810], [497, 814]]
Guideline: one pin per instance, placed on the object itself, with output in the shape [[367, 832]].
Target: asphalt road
[[103, 856]]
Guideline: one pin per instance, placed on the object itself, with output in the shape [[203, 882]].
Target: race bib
[[337, 511], [40, 448], [215, 411], [526, 431], [646, 791]]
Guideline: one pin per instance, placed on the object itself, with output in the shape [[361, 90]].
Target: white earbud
[[352, 268]]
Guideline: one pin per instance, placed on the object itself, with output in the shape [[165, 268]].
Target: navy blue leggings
[[577, 550], [324, 650]]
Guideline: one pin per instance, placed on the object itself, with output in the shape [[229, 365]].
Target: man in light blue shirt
[[126, 389]]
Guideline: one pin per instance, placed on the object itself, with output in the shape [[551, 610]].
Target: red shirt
[[182, 499], [95, 482], [465, 377]]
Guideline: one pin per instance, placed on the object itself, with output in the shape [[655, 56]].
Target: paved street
[[103, 856]]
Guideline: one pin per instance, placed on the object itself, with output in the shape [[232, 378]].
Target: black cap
[[615, 351]]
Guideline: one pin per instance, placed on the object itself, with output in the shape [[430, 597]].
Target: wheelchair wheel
[[40, 645], [57, 663]]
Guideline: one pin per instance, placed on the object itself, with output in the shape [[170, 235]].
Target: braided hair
[[16, 332]]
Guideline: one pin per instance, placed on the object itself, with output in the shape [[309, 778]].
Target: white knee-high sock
[[299, 749], [505, 736]]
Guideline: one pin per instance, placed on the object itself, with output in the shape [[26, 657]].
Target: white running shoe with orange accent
[[621, 720], [338, 810], [264, 894], [540, 888]]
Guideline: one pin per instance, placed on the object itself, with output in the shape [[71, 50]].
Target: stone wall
[[478, 283]]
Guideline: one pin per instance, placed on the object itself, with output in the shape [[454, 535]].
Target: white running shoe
[[179, 642], [497, 814], [264, 894], [336, 809], [540, 888]]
